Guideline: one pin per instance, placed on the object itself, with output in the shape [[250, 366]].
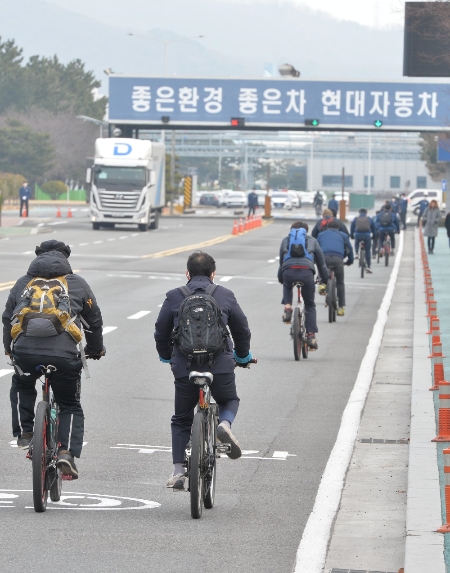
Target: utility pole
[[172, 171], [369, 182], [267, 209], [311, 161]]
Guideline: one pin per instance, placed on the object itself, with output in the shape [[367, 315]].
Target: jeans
[[338, 265], [403, 219], [306, 276], [367, 245], [223, 390], [66, 385], [382, 234], [23, 203], [430, 242], [252, 209]]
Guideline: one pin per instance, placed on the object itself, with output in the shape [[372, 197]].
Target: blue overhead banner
[[278, 103]]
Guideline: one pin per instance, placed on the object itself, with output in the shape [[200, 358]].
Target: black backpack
[[386, 219], [362, 224], [201, 334]]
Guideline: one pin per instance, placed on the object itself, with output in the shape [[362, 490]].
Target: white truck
[[127, 183]]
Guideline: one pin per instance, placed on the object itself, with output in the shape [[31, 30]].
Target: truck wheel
[[143, 227], [155, 223], [95, 226]]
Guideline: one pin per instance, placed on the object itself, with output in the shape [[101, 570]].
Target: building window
[[366, 180], [395, 182], [421, 182], [336, 181]]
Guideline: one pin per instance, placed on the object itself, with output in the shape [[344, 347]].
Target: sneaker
[[369, 270], [341, 311], [392, 252], [225, 436], [322, 289], [24, 440], [66, 464], [176, 482], [356, 256], [311, 341], [287, 315]]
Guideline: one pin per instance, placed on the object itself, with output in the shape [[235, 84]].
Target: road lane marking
[[83, 244], [124, 237], [225, 279], [97, 242], [112, 239], [272, 261], [27, 252], [58, 223], [139, 315], [7, 286], [246, 454], [312, 551], [123, 276], [107, 329], [5, 371]]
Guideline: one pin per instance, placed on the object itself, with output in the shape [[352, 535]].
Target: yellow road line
[[196, 246]]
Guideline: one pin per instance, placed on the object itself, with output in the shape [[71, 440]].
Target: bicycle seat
[[201, 378], [298, 284]]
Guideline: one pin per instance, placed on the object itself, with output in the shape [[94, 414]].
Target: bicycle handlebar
[[247, 364]]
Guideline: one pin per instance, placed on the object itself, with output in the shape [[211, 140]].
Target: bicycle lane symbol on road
[[77, 501], [246, 454]]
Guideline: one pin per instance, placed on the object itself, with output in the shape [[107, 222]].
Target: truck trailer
[[127, 183]]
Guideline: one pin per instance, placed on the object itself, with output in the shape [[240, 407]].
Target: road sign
[[277, 103]]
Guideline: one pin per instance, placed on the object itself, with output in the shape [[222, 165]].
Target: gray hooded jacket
[[82, 302]]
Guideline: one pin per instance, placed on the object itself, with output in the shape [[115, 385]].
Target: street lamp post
[[99, 122], [166, 44]]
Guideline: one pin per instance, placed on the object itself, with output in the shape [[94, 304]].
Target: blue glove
[[165, 361], [240, 360]]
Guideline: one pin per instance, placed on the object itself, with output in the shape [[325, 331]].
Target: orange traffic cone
[[58, 212], [246, 224], [241, 226], [24, 211], [235, 228], [69, 213], [444, 413]]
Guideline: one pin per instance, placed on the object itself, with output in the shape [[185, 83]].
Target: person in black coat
[[201, 269], [447, 226], [28, 352]]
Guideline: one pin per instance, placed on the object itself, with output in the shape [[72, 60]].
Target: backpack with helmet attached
[[44, 310], [297, 245], [386, 219], [201, 334], [362, 224]]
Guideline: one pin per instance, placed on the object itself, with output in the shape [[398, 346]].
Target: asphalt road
[[118, 516]]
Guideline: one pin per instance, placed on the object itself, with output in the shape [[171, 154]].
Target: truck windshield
[[123, 178]]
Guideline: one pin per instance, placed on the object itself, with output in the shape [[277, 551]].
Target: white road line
[[58, 223], [312, 551], [107, 329], [41, 224], [139, 314], [125, 276], [27, 252], [225, 279], [124, 237], [112, 239], [135, 234], [83, 244], [97, 242], [159, 305], [272, 261], [85, 210], [5, 371]]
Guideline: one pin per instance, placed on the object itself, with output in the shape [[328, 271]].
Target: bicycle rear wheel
[[330, 300], [387, 251], [297, 334], [362, 263], [209, 484], [39, 459], [197, 460]]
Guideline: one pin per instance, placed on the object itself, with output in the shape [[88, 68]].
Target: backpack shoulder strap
[[210, 289], [185, 291]]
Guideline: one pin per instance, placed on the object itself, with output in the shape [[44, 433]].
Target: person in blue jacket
[[25, 194], [387, 223], [336, 247], [363, 229], [422, 204], [333, 205], [201, 270]]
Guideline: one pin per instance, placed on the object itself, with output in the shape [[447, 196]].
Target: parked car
[[307, 197], [280, 199], [415, 196], [235, 199], [213, 199], [295, 199]]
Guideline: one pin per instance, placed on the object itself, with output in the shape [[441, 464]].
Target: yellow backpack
[[44, 310]]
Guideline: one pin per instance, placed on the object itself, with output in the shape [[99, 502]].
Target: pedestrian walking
[[333, 205], [252, 202], [318, 202], [430, 223], [447, 226], [25, 194], [422, 204]]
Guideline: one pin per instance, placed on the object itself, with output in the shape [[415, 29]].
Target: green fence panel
[[361, 201], [74, 195]]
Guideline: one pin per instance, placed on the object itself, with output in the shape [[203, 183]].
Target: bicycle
[[331, 295], [203, 450], [362, 258], [298, 328], [43, 450], [385, 250]]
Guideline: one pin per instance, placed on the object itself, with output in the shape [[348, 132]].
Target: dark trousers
[[251, 210], [430, 241], [382, 234], [367, 245], [23, 203], [338, 266], [306, 276], [66, 385], [223, 390], [403, 219]]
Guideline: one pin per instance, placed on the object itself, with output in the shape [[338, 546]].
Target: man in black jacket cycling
[[28, 351], [201, 269]]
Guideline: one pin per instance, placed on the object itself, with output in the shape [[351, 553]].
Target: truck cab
[[127, 183]]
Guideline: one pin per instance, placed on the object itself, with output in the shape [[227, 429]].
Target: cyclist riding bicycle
[[298, 264], [336, 246], [46, 307], [387, 223], [363, 229], [201, 270], [321, 225]]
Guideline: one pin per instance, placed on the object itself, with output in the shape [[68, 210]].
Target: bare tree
[[431, 22]]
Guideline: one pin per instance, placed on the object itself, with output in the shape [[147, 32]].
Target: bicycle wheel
[[197, 458], [334, 298], [387, 251], [40, 441], [296, 334], [330, 300], [209, 484], [362, 263]]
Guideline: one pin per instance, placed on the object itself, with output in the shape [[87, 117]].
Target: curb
[[424, 548]]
